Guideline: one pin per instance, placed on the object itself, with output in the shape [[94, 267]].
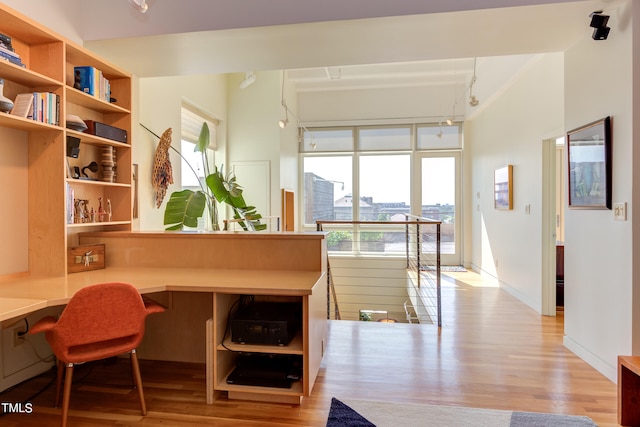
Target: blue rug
[[358, 413]]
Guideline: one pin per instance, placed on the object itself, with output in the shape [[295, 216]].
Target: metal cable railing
[[387, 271], [423, 265]]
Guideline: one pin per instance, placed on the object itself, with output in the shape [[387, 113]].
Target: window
[[328, 140], [434, 137], [327, 188], [385, 187], [366, 173], [370, 139], [192, 170]]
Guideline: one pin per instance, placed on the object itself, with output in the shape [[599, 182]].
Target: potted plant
[[186, 206]]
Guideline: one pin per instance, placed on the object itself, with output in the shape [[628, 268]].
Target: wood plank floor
[[492, 352]]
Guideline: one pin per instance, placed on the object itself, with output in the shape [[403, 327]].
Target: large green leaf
[[203, 139], [228, 191], [215, 182], [184, 208]]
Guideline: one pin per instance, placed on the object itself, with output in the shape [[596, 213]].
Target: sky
[[388, 177]]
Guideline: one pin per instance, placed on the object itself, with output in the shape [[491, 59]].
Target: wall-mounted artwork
[[503, 188], [589, 154]]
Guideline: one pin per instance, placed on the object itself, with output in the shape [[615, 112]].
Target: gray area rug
[[360, 413]]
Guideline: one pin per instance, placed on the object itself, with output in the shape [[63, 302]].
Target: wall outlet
[[18, 336]]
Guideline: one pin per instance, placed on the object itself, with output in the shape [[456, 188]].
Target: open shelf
[[294, 390], [78, 97], [97, 224], [49, 60], [87, 138], [16, 122], [294, 347], [97, 183], [25, 76]]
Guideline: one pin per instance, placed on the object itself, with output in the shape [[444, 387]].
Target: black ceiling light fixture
[[599, 25]]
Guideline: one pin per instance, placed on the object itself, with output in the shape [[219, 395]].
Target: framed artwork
[[589, 154], [503, 188]]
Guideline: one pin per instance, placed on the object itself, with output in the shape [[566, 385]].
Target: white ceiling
[[319, 39]]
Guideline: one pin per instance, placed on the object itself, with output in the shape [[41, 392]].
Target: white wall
[[507, 243], [61, 16], [254, 135], [160, 102], [599, 289]]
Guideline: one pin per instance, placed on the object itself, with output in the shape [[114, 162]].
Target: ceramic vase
[[6, 105]]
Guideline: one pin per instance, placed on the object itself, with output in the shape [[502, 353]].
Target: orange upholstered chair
[[100, 321]]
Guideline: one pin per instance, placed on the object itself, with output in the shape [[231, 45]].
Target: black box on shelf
[[266, 323], [266, 370], [106, 131]]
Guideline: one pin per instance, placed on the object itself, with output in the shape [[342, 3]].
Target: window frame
[[356, 154]]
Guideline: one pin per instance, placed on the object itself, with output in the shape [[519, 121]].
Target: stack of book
[[91, 81], [7, 52], [42, 107]]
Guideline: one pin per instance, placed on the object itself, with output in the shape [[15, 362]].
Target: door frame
[[416, 203], [548, 288]]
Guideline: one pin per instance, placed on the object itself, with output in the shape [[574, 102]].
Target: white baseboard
[[597, 363]]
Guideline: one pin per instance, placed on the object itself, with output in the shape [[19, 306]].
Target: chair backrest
[[99, 317]]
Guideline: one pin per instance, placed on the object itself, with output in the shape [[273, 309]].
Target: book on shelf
[[9, 52], [17, 61], [41, 107], [6, 40], [91, 81], [23, 105]]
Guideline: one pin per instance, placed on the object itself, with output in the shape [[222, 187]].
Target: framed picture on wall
[[503, 188], [589, 154]]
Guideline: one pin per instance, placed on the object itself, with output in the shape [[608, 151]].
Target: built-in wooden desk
[[168, 266], [24, 296]]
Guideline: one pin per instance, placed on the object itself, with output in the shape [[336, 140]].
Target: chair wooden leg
[[67, 393], [59, 374], [138, 380]]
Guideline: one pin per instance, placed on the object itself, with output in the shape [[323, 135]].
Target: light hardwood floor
[[492, 352]]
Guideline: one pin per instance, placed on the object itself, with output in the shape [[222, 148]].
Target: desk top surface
[[25, 295]]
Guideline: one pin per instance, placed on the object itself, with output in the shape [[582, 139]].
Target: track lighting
[[450, 121], [599, 24], [141, 5], [283, 122], [473, 101], [249, 79]]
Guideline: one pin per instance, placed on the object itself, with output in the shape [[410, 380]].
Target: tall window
[[192, 171], [358, 173], [365, 173], [328, 188]]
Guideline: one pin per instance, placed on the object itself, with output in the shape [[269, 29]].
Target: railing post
[[438, 289], [406, 239], [418, 251]]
